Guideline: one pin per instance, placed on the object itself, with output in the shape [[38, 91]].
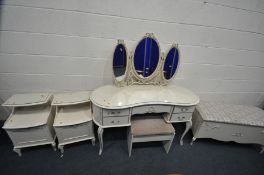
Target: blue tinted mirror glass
[[146, 57], [119, 61], [171, 63]]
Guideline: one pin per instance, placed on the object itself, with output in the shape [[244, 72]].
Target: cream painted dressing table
[[113, 106], [141, 79]]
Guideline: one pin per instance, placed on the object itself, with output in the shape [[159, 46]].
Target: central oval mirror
[[120, 61], [146, 57], [171, 62]]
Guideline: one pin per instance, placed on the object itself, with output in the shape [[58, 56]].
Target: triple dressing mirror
[[145, 65]]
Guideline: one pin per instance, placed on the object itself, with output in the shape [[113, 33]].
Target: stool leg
[[188, 127], [167, 144]]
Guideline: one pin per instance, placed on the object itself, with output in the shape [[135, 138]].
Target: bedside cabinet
[[73, 122], [30, 122]]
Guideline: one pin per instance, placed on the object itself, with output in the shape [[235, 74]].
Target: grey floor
[[205, 157]]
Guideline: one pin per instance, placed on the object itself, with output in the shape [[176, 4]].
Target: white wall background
[[67, 45]]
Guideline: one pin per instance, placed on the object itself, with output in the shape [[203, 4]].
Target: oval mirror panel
[[171, 63], [120, 61], [146, 57]]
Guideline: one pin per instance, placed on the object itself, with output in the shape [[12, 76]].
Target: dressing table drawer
[[120, 120], [115, 112], [179, 109], [151, 109], [181, 117]]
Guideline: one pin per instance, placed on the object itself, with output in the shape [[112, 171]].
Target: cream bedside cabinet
[[30, 122], [73, 122]]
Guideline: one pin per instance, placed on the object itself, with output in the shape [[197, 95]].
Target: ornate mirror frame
[[131, 77], [123, 81], [134, 77]]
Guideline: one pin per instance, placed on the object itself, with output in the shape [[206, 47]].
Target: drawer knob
[[184, 109], [114, 121], [237, 134], [215, 127], [151, 109]]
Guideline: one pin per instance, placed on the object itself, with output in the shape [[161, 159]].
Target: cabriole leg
[[193, 139], [93, 141], [100, 132], [61, 148], [54, 146], [18, 151], [129, 142], [187, 128], [262, 149]]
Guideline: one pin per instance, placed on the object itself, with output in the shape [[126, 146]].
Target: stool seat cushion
[[150, 126], [236, 114]]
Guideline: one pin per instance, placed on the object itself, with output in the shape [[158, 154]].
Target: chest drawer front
[[179, 109], [181, 117], [151, 109], [29, 135], [67, 133], [119, 120], [115, 112], [231, 132]]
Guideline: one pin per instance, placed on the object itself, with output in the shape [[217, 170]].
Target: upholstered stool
[[150, 128]]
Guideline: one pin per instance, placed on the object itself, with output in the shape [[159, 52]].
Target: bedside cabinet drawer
[[151, 109], [28, 136], [115, 112], [181, 117], [74, 132], [120, 120], [179, 109]]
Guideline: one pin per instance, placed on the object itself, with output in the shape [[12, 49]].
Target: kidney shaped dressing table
[[113, 106], [141, 87]]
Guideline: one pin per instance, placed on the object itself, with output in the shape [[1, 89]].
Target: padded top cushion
[[237, 114], [150, 126]]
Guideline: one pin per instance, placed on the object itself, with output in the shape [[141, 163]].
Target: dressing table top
[[113, 97]]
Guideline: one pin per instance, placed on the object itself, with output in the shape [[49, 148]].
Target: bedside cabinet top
[[31, 99], [71, 98], [73, 115], [25, 117]]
